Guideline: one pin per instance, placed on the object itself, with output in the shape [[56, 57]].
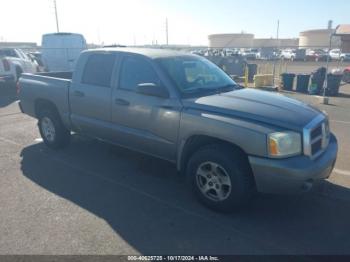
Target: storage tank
[[318, 38], [273, 42], [265, 42], [231, 40]]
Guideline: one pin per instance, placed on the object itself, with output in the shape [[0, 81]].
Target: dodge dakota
[[229, 142]]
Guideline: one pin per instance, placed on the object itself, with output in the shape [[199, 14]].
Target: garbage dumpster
[[333, 84], [233, 65], [288, 81], [252, 71], [317, 81], [303, 83]]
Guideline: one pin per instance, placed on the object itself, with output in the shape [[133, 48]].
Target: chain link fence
[[252, 67]]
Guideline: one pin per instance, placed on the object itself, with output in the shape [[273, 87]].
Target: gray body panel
[[162, 126], [38, 87]]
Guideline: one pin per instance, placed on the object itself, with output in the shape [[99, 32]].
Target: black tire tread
[[62, 134], [234, 161]]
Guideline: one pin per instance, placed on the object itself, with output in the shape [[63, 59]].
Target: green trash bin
[[288, 81], [303, 83], [333, 84]]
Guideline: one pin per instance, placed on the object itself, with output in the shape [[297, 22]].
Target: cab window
[[136, 71], [98, 70]]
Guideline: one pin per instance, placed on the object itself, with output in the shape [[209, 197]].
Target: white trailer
[[60, 51]]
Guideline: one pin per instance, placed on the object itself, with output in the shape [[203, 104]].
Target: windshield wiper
[[216, 90], [229, 87]]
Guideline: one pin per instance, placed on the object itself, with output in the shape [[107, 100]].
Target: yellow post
[[246, 75]]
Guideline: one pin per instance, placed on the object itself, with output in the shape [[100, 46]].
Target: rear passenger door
[[90, 94]]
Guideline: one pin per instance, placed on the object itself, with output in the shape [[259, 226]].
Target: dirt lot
[[92, 198]]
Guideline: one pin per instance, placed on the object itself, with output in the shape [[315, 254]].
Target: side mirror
[[151, 89]]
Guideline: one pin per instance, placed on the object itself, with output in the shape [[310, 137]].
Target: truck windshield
[[195, 75]]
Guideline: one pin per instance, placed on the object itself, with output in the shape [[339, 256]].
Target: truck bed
[[61, 75], [53, 87]]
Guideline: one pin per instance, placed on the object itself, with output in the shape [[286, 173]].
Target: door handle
[[78, 94], [121, 102]]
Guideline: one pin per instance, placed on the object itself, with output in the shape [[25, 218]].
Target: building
[[273, 42], [248, 41], [231, 40], [318, 38], [24, 45]]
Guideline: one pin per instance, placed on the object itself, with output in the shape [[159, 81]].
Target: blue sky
[[260, 16], [190, 21]]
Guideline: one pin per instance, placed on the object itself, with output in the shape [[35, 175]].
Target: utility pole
[[55, 6], [167, 31], [274, 63]]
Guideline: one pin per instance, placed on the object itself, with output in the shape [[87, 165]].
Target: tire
[[52, 131], [229, 173]]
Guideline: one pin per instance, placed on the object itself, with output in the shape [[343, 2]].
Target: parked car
[[317, 55], [288, 54], [336, 54], [267, 53], [37, 58], [346, 76], [14, 62], [300, 54], [196, 52], [229, 142], [60, 51], [251, 54], [231, 52]]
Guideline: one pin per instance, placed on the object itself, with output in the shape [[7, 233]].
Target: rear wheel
[[53, 132], [220, 178]]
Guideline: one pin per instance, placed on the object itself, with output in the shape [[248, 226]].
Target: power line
[[167, 31]]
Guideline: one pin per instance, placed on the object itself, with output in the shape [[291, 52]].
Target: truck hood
[[254, 105]]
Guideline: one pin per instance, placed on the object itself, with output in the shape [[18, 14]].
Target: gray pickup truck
[[228, 141]]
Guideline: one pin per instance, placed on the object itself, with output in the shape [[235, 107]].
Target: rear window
[[98, 70]]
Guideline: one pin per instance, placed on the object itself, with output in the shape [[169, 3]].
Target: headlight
[[284, 144]]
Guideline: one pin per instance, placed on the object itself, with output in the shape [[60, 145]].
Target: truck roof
[[148, 52]]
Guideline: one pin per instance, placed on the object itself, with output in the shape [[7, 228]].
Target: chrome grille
[[316, 136]]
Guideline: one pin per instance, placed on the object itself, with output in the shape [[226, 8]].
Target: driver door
[[144, 123]]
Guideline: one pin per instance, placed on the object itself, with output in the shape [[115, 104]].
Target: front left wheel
[[221, 178]]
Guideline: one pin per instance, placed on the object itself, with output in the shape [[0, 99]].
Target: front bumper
[[293, 175]]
